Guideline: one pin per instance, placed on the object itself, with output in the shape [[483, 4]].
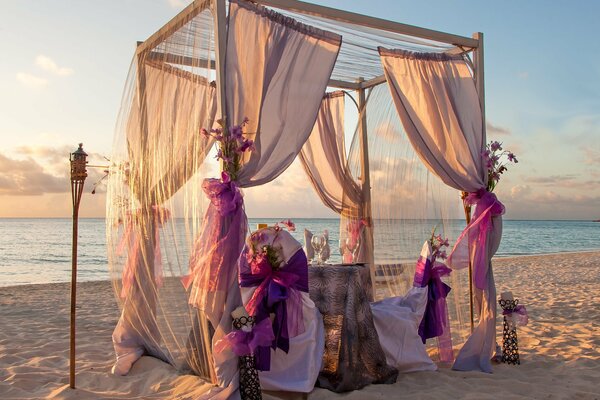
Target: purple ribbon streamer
[[435, 322], [244, 343], [475, 237], [277, 293], [218, 247]]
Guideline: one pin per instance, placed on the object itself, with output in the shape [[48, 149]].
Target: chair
[[397, 321], [297, 352]]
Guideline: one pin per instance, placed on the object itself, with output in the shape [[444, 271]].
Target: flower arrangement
[[438, 245], [260, 255], [232, 144], [496, 159]]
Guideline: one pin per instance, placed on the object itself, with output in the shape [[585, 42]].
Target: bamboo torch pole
[[78, 175], [467, 208]]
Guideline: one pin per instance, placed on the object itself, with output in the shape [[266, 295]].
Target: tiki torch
[[78, 175]]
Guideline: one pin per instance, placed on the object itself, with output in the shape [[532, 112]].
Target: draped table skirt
[[353, 357]]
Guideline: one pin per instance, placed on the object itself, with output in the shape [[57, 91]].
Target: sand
[[560, 348]]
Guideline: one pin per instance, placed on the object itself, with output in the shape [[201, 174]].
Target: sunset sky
[[65, 63]]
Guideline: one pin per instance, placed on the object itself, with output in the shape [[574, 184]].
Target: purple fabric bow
[[244, 343], [475, 237], [435, 322], [217, 248], [223, 194], [519, 315], [277, 292]]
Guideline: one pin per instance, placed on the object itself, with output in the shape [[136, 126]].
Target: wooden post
[[220, 23], [78, 175], [366, 184], [467, 209], [480, 86]]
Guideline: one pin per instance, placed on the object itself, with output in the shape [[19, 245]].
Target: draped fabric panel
[[157, 151], [437, 101], [276, 74], [438, 104], [323, 157]]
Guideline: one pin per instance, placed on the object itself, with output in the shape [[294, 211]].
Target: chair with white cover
[[397, 321], [284, 290]]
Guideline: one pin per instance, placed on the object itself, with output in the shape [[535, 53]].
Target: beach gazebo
[[282, 69]]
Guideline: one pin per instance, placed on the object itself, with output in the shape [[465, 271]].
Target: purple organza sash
[[518, 316], [476, 236], [133, 241], [217, 248], [244, 343], [278, 292], [435, 322]]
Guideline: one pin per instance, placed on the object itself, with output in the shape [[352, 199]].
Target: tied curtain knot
[[472, 244], [277, 292], [225, 196]]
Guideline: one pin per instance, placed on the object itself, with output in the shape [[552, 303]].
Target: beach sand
[[560, 347]]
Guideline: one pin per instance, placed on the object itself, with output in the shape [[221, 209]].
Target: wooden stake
[[78, 175]]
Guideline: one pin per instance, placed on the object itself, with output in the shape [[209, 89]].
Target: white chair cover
[[397, 322], [296, 371]]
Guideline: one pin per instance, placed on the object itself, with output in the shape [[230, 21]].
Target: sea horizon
[[38, 250]]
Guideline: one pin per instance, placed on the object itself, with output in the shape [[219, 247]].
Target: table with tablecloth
[[353, 355]]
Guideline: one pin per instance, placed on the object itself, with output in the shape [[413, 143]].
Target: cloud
[[27, 177], [591, 156], [39, 170], [47, 64], [31, 81], [496, 130], [551, 179], [178, 3], [525, 203], [523, 75]]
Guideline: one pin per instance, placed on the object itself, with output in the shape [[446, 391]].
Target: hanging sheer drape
[[407, 203], [323, 157], [437, 101], [276, 74], [158, 150]]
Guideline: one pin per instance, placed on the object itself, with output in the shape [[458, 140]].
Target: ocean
[[39, 250]]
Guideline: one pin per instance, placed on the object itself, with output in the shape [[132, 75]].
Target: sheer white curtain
[[324, 159], [160, 123], [437, 101], [277, 71]]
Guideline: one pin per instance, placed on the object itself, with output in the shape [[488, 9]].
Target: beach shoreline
[[560, 347]]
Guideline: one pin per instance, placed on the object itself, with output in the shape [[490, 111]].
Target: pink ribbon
[[244, 343], [474, 239], [133, 241], [217, 248]]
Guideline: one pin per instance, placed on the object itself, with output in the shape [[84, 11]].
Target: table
[[353, 356]]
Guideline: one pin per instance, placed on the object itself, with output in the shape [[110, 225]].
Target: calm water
[[39, 250]]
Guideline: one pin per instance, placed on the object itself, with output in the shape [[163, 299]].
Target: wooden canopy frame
[[461, 44]]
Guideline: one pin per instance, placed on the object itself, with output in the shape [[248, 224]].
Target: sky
[[65, 63]]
